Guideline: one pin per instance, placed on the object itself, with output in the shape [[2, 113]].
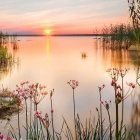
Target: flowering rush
[[37, 114], [37, 92], [22, 90], [131, 85], [119, 97], [45, 120], [73, 83], [115, 72]]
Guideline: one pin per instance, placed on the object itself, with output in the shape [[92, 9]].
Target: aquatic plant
[[119, 94], [52, 120], [73, 84], [116, 36], [8, 104], [107, 107], [101, 118], [36, 94], [134, 10], [91, 130]]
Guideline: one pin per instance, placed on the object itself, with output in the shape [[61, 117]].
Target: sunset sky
[[60, 16]]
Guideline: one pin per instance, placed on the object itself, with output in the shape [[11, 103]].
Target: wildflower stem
[[117, 121], [36, 121], [122, 101], [48, 135], [101, 120], [30, 112], [117, 115], [52, 118], [122, 104], [26, 119], [110, 124], [74, 113], [19, 124]]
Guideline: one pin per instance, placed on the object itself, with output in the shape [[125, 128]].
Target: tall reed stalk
[[101, 118], [26, 107], [74, 84], [122, 101], [52, 118], [19, 133], [107, 106], [110, 123], [74, 114], [30, 113]]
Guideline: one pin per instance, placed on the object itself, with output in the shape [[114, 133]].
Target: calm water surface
[[53, 61]]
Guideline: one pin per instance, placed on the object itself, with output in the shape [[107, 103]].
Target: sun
[[48, 31]]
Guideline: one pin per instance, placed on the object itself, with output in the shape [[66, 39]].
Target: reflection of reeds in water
[[116, 37], [4, 38], [14, 42], [7, 61], [117, 57]]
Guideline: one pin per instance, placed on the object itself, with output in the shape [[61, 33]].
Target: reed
[[116, 36]]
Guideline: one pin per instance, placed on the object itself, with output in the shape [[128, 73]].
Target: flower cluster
[[34, 91], [21, 91], [123, 72], [114, 73], [119, 97], [113, 82], [131, 85], [73, 83], [45, 120], [37, 92], [38, 114]]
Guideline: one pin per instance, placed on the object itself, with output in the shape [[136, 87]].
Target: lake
[[54, 60]]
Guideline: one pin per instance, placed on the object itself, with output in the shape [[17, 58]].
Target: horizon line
[[71, 34]]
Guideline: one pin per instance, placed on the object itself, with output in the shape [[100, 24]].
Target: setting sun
[[48, 31]]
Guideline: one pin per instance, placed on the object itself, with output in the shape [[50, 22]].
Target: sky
[[60, 16]]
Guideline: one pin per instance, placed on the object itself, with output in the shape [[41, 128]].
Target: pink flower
[[1, 136], [73, 83], [38, 114], [132, 85], [113, 83]]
